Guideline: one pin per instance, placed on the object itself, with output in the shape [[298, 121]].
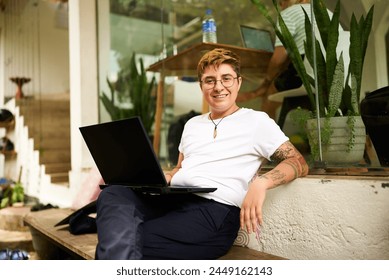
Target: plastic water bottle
[[209, 28]]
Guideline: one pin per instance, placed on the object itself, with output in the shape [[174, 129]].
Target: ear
[[240, 80]]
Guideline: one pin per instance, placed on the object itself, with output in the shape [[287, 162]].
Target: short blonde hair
[[215, 58]]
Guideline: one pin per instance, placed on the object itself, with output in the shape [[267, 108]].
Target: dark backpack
[[375, 115], [175, 133]]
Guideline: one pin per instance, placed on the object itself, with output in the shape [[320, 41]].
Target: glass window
[[156, 31]]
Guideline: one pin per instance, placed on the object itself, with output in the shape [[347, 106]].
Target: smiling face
[[219, 76], [220, 86]]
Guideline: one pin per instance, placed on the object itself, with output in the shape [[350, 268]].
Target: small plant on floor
[[13, 195], [17, 196]]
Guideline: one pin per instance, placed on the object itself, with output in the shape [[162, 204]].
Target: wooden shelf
[[253, 62]]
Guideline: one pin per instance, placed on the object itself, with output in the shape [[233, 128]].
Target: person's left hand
[[251, 211]]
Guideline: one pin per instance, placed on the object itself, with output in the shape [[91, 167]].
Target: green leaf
[[336, 90], [132, 86], [288, 42], [109, 105], [4, 202], [329, 73], [359, 37], [331, 44]]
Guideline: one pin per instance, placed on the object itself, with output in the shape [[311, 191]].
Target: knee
[[113, 194], [116, 194]]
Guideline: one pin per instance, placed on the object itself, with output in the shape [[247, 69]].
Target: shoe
[[7, 254], [6, 144], [6, 116]]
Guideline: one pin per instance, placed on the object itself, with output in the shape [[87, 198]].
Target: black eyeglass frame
[[214, 81]]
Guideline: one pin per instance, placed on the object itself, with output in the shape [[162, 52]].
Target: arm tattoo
[[294, 167], [276, 176], [288, 154], [285, 151]]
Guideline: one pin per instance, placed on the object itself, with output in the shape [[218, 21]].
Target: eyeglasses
[[227, 81]]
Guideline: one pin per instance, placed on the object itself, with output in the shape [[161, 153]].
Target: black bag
[[80, 221], [175, 133], [375, 115]]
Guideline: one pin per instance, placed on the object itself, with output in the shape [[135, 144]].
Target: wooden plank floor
[[83, 246]]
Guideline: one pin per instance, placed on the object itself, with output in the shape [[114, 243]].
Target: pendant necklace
[[216, 124]]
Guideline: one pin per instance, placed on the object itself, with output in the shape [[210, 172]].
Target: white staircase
[[32, 160]]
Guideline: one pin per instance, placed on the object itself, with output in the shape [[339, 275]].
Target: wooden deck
[[45, 235]]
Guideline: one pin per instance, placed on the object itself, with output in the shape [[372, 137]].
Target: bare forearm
[[277, 64], [291, 165]]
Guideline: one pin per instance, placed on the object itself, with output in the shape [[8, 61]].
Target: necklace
[[216, 124]]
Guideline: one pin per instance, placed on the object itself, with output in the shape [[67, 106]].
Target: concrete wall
[[328, 218]]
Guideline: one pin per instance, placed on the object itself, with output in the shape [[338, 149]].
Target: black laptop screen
[[123, 153]]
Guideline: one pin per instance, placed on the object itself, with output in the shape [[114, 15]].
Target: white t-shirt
[[229, 161]]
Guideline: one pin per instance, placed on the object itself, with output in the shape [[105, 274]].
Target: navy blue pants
[[132, 225]]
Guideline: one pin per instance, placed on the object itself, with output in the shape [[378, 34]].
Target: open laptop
[[124, 156], [256, 38]]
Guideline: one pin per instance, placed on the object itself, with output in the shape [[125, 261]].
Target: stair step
[[16, 240], [51, 144], [47, 135], [48, 122], [59, 177], [58, 167], [54, 156], [12, 218], [39, 105], [14, 234], [47, 118]]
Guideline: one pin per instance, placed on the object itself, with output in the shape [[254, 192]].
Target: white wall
[[328, 218], [33, 46], [54, 51]]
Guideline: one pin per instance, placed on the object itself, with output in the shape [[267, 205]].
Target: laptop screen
[[123, 153], [254, 38]]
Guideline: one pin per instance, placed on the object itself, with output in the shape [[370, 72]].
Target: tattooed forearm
[[288, 154], [276, 176], [291, 165], [295, 166]]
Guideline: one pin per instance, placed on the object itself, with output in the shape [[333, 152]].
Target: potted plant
[[337, 91], [131, 94], [13, 195]]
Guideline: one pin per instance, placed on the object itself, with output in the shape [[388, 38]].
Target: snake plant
[[131, 88], [338, 92]]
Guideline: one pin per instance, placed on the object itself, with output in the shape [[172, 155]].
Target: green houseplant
[[13, 196], [131, 94], [338, 92]]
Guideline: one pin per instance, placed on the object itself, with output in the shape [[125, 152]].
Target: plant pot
[[18, 204], [343, 139]]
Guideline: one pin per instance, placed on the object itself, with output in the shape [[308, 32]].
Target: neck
[[218, 115]]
